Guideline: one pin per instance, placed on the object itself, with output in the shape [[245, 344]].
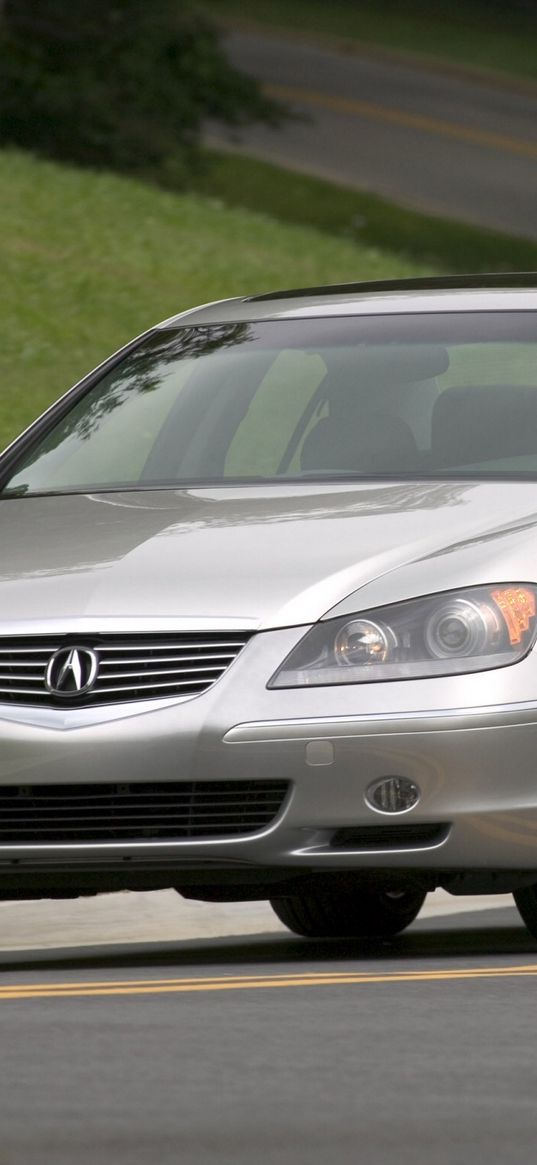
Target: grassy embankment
[[88, 260], [483, 34], [366, 218]]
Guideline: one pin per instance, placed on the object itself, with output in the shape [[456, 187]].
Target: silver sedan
[[268, 608]]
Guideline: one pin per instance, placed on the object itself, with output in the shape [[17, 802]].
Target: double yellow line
[[253, 982], [433, 125]]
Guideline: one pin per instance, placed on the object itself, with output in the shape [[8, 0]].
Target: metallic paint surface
[[276, 559], [272, 555]]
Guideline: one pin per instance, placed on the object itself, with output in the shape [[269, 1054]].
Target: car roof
[[493, 292]]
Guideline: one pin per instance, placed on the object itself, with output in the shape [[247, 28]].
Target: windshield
[[422, 396]]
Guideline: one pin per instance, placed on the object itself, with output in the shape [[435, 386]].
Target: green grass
[[89, 260], [488, 34], [365, 218]]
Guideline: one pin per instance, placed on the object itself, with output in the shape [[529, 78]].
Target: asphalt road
[[273, 1049], [432, 140]]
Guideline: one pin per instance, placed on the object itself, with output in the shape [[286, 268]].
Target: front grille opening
[[139, 666], [146, 811], [391, 837]]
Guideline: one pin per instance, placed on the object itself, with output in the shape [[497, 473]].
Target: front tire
[[349, 913], [526, 901]]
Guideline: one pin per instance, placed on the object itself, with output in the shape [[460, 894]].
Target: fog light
[[393, 795]]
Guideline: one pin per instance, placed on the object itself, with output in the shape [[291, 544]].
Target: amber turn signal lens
[[517, 606]]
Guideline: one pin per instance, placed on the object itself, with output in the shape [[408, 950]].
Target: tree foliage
[[116, 83]]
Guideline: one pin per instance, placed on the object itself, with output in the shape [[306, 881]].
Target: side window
[[283, 396], [491, 364], [318, 414]]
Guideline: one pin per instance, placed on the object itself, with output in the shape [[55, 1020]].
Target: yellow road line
[[373, 112], [253, 982]]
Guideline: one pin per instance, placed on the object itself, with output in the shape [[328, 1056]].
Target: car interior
[[265, 413]]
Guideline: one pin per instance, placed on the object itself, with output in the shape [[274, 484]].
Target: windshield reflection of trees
[[141, 372]]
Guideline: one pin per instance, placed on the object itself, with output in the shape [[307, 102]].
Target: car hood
[[273, 555]]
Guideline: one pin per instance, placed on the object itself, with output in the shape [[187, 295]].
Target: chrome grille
[[152, 810], [131, 666]]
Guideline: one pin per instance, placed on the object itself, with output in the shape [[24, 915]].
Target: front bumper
[[469, 743]]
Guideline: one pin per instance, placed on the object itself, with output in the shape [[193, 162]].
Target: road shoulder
[[417, 62], [163, 916]]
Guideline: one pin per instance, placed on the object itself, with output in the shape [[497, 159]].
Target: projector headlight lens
[[363, 642], [446, 634]]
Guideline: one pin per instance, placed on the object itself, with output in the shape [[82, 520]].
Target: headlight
[[441, 635]]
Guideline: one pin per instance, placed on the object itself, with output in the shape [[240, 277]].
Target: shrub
[[116, 83]]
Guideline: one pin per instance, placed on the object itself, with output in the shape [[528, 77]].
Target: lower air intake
[[160, 811], [391, 837]]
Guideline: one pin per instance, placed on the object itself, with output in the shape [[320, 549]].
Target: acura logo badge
[[72, 671]]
